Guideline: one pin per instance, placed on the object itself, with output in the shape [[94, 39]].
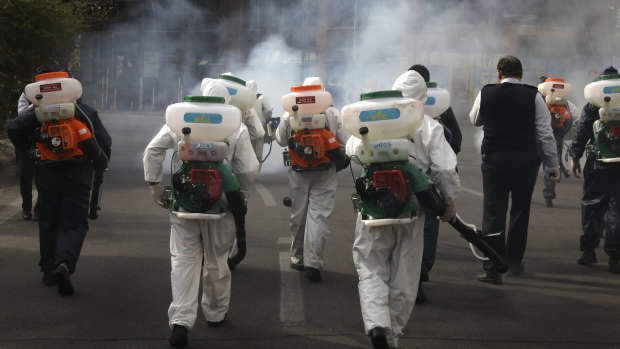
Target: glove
[[554, 174], [274, 123], [575, 167], [449, 215], [158, 194]]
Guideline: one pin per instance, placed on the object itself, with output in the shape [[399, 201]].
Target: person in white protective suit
[[312, 198], [263, 110], [190, 239], [254, 125], [388, 258]]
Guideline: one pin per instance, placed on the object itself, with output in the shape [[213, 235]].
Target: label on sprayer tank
[[305, 100], [202, 118], [379, 115]]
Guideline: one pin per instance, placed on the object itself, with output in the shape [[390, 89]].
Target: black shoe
[[495, 279], [313, 274], [424, 276], [26, 215], [548, 202], [516, 269], [378, 338], [421, 297], [614, 265], [587, 258], [298, 267], [61, 275], [48, 278], [217, 323], [178, 338]]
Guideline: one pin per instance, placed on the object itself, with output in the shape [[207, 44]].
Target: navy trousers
[[508, 174]]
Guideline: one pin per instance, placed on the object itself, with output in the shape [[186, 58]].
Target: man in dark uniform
[[514, 117], [452, 133], [64, 192], [601, 192]]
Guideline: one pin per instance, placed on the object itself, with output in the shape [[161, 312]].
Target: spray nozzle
[[364, 133], [186, 132], [295, 115]]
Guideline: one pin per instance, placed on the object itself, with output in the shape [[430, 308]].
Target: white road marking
[[291, 301], [265, 194]]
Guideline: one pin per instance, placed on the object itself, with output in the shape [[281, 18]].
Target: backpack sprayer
[[391, 187], [556, 92], [605, 94], [63, 138], [311, 145], [197, 186]]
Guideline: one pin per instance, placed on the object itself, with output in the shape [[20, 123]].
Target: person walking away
[[454, 137], [313, 194], [514, 117], [601, 190], [562, 111], [64, 176], [195, 240], [388, 258]]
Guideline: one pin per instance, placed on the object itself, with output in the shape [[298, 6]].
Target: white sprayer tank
[[53, 88], [310, 99], [559, 87], [209, 118], [386, 114], [437, 100], [606, 86], [241, 96]]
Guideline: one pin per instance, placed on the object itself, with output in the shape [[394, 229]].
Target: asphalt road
[[123, 288]]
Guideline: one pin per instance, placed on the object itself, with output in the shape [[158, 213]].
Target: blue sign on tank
[[231, 91], [202, 118], [379, 115], [611, 90], [430, 101]]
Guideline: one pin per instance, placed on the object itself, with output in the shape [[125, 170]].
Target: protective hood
[[314, 80], [252, 85], [412, 84], [607, 71], [216, 89]]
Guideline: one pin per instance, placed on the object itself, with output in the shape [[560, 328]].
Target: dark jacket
[[452, 131]]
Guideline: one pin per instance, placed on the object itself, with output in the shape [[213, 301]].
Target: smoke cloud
[[362, 45]]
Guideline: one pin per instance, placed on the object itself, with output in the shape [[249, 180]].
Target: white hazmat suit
[[263, 110], [388, 258], [255, 128], [312, 195], [191, 239]]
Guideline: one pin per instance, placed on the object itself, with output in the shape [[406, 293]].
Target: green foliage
[[34, 33]]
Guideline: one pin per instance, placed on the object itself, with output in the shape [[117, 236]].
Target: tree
[[33, 33]]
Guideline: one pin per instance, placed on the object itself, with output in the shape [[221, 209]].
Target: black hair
[[422, 71], [510, 67]]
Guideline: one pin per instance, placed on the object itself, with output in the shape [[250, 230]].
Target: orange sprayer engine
[[54, 95]]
